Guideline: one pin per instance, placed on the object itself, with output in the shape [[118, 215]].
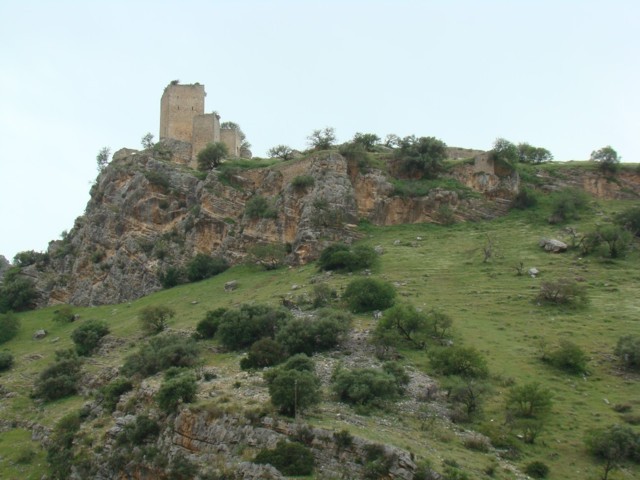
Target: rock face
[[148, 214]]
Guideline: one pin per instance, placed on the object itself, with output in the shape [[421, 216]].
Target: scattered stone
[[418, 238], [397, 242], [377, 314], [378, 249], [230, 286], [195, 302], [295, 287], [533, 272], [552, 245], [55, 340], [40, 334]]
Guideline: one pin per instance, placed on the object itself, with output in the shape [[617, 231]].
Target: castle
[[182, 118]]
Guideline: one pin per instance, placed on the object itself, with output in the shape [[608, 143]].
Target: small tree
[[9, 326], [154, 318], [208, 326], [628, 351], [421, 157], [607, 159], [630, 220], [367, 140], [613, 445], [368, 294], [290, 458], [504, 152], [530, 400], [616, 238], [204, 266], [293, 391], [535, 155], [17, 292], [462, 361], [263, 353], [283, 152], [88, 335], [60, 379], [402, 323], [270, 256], [211, 156], [102, 159], [241, 327], [322, 139], [563, 291], [568, 357], [147, 141], [181, 388]]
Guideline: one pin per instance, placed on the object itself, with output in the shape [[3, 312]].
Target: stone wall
[[231, 139], [178, 107], [206, 129]]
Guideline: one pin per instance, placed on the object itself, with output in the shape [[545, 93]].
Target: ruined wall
[[231, 139], [178, 107], [206, 129]]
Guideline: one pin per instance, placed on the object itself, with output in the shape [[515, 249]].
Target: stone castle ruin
[[182, 118]]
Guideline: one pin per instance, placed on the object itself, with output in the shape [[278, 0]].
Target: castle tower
[[178, 107]]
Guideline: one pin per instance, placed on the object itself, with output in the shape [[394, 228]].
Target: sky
[[78, 76]]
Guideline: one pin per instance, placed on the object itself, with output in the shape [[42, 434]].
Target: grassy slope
[[492, 310]]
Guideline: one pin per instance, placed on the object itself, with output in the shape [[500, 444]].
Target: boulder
[[533, 272], [40, 334], [552, 245], [230, 286]]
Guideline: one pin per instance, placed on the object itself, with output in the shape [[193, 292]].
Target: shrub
[[377, 462], [341, 257], [9, 326], [322, 295], [6, 361], [59, 451], [567, 205], [208, 326], [299, 362], [530, 154], [88, 335], [17, 293], [368, 294], [402, 323], [537, 469], [466, 394], [111, 392], [530, 400], [628, 351], [211, 156], [524, 199], [204, 266], [293, 390], [607, 159], [239, 328], [161, 353], [282, 152], [463, 361], [60, 379], [322, 139], [613, 445], [64, 314], [616, 238], [171, 277], [138, 432], [630, 219], [421, 157], [269, 256], [178, 389], [563, 291], [306, 335], [154, 318], [259, 207], [365, 386], [302, 182], [568, 357], [263, 353], [290, 458]]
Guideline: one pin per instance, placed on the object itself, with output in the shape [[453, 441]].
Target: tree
[[88, 335], [367, 140], [17, 292], [293, 391], [628, 351], [613, 445], [530, 400], [466, 393], [456, 360], [234, 126], [60, 379], [9, 326], [147, 140], [211, 156], [239, 328], [208, 326], [616, 238], [504, 152], [368, 294], [630, 220], [154, 318], [421, 157], [181, 388], [270, 256], [265, 352], [606, 158], [204, 266], [568, 357], [322, 139], [102, 159], [290, 458], [364, 386], [402, 323], [535, 155], [563, 291], [283, 152], [342, 257]]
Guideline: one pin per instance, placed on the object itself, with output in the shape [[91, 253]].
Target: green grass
[[493, 310]]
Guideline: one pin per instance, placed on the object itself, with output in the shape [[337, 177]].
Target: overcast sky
[[77, 76]]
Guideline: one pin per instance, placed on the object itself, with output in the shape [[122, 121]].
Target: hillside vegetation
[[473, 273]]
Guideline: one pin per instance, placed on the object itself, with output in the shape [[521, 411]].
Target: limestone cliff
[[147, 214]]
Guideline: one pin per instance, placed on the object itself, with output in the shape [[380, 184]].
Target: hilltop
[[452, 244]]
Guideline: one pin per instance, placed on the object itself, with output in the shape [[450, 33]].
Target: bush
[[208, 326], [181, 388], [463, 361], [161, 353], [322, 139], [154, 318], [138, 432], [568, 357], [211, 156], [567, 205], [259, 207], [17, 293], [282, 152], [111, 392], [302, 182], [368, 294], [537, 469], [322, 295], [365, 386], [290, 458], [269, 256], [607, 159], [341, 257], [524, 199], [299, 362], [401, 324], [421, 157], [616, 238], [64, 314], [293, 390], [630, 220], [306, 335], [9, 326], [88, 335], [239, 328], [628, 351], [377, 462], [171, 277], [563, 291], [60, 379], [614, 445], [204, 266], [530, 400], [263, 353], [59, 451], [6, 361]]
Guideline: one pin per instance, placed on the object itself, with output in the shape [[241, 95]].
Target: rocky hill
[[148, 213]]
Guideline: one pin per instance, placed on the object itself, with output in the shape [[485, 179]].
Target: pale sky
[[80, 75]]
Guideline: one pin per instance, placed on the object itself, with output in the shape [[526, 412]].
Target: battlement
[[182, 118]]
